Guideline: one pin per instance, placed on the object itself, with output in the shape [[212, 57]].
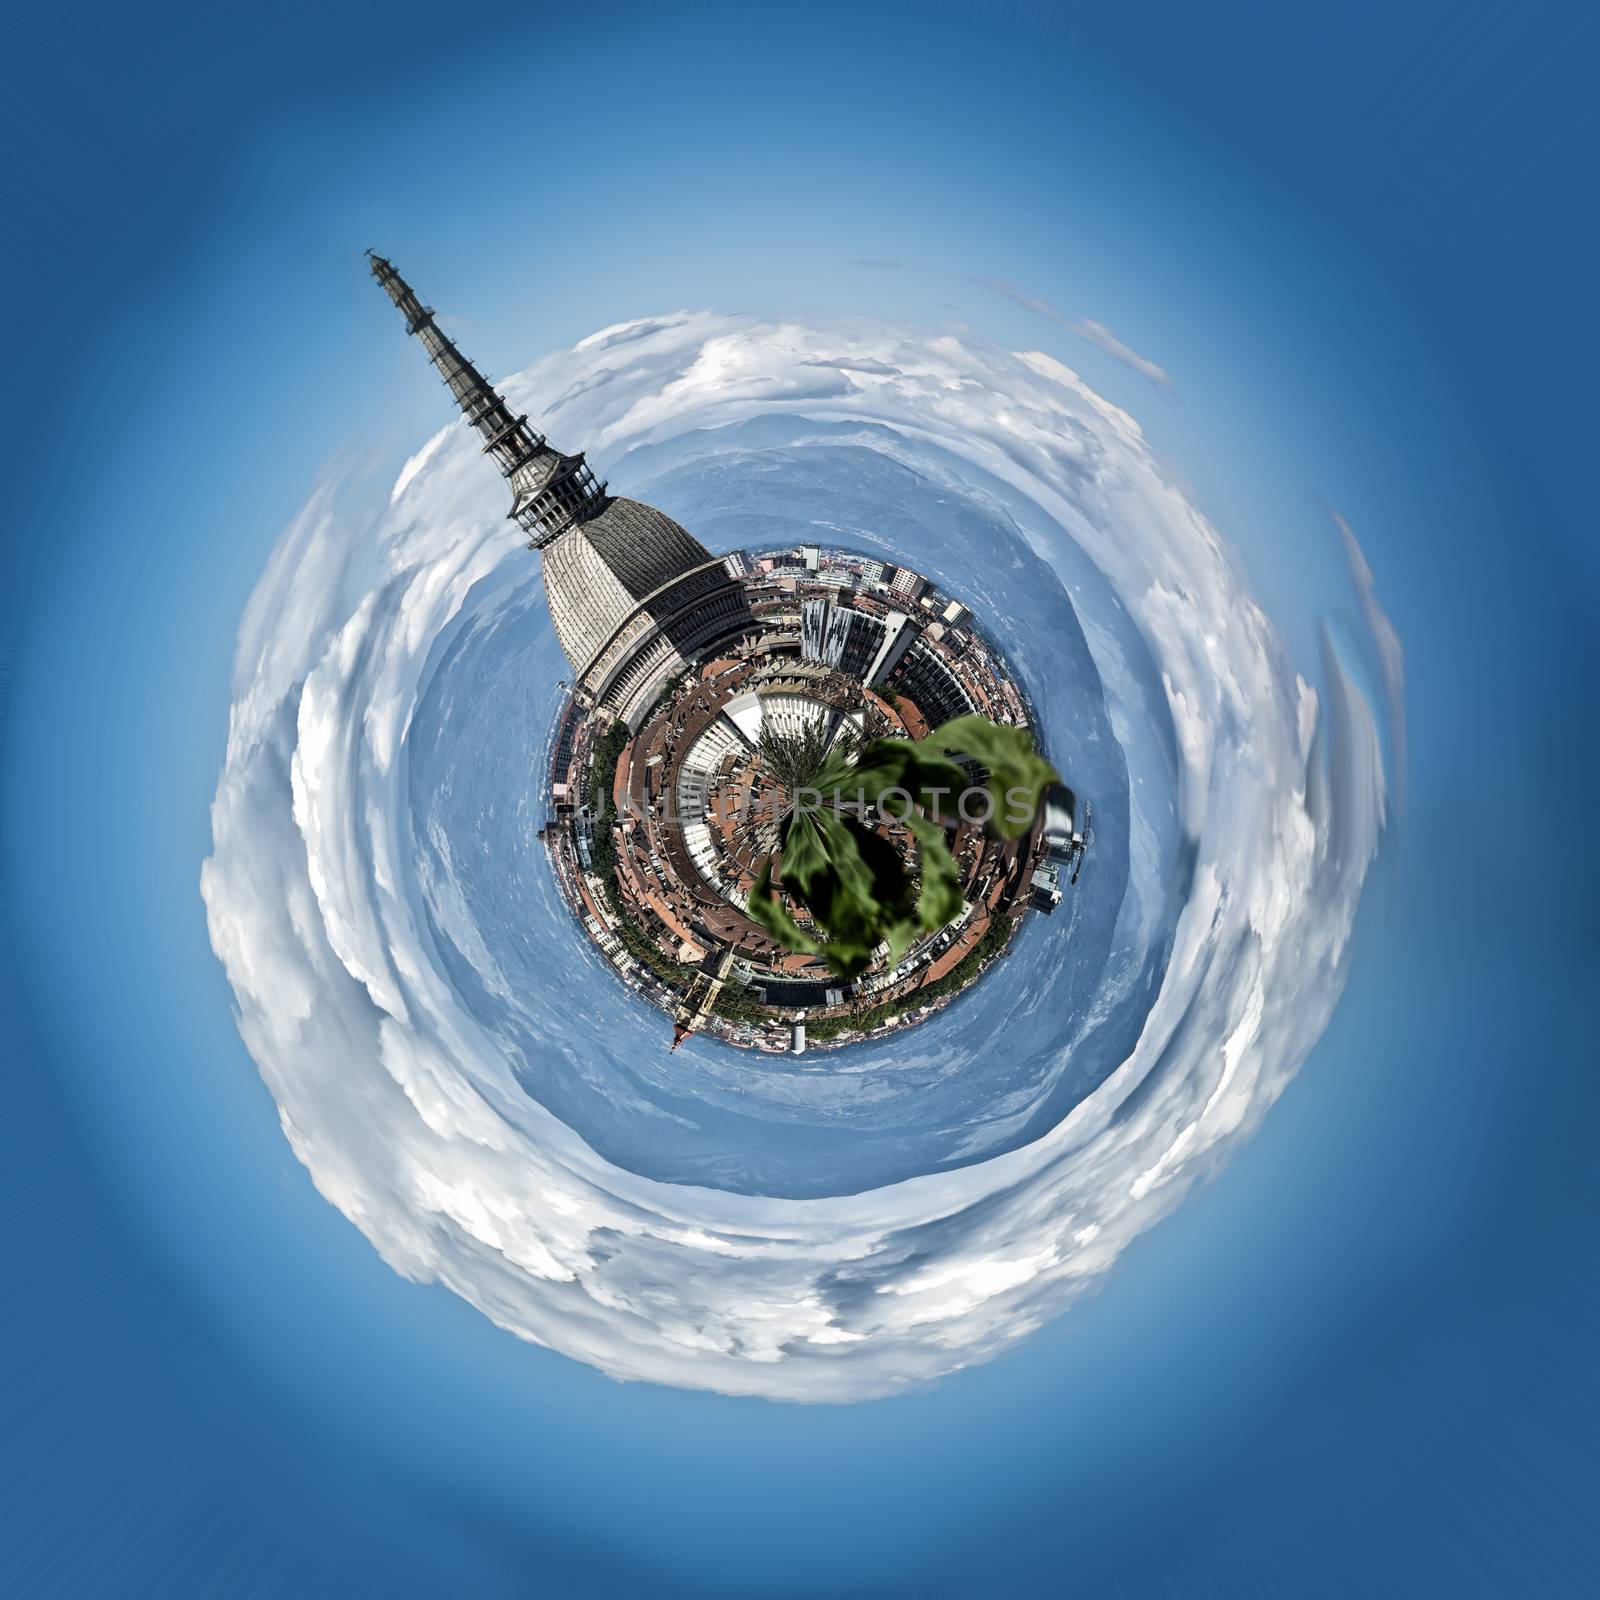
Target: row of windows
[[925, 679], [710, 623]]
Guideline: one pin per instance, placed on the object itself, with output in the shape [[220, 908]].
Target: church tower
[[634, 597]]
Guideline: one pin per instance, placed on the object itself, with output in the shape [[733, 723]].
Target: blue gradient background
[[1362, 1361]]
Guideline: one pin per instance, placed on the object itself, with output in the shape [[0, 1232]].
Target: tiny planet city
[[691, 673]]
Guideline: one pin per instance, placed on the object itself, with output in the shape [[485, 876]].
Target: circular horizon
[[400, 1058]]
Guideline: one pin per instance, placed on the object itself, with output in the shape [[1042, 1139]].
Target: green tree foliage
[[608, 748], [736, 1003], [854, 883]]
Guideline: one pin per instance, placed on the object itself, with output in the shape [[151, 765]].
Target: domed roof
[[597, 574]]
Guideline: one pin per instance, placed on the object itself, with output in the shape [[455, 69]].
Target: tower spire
[[550, 492]]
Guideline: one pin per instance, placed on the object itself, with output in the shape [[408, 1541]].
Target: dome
[[601, 572]]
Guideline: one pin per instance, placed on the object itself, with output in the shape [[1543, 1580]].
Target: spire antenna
[[634, 596], [551, 492]]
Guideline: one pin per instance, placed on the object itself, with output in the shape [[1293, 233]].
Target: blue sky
[[1362, 1358]]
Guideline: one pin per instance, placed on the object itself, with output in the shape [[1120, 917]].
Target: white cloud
[[1385, 642], [416, 464], [407, 1115], [1097, 333]]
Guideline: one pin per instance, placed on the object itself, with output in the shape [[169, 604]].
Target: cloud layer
[[408, 1117]]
